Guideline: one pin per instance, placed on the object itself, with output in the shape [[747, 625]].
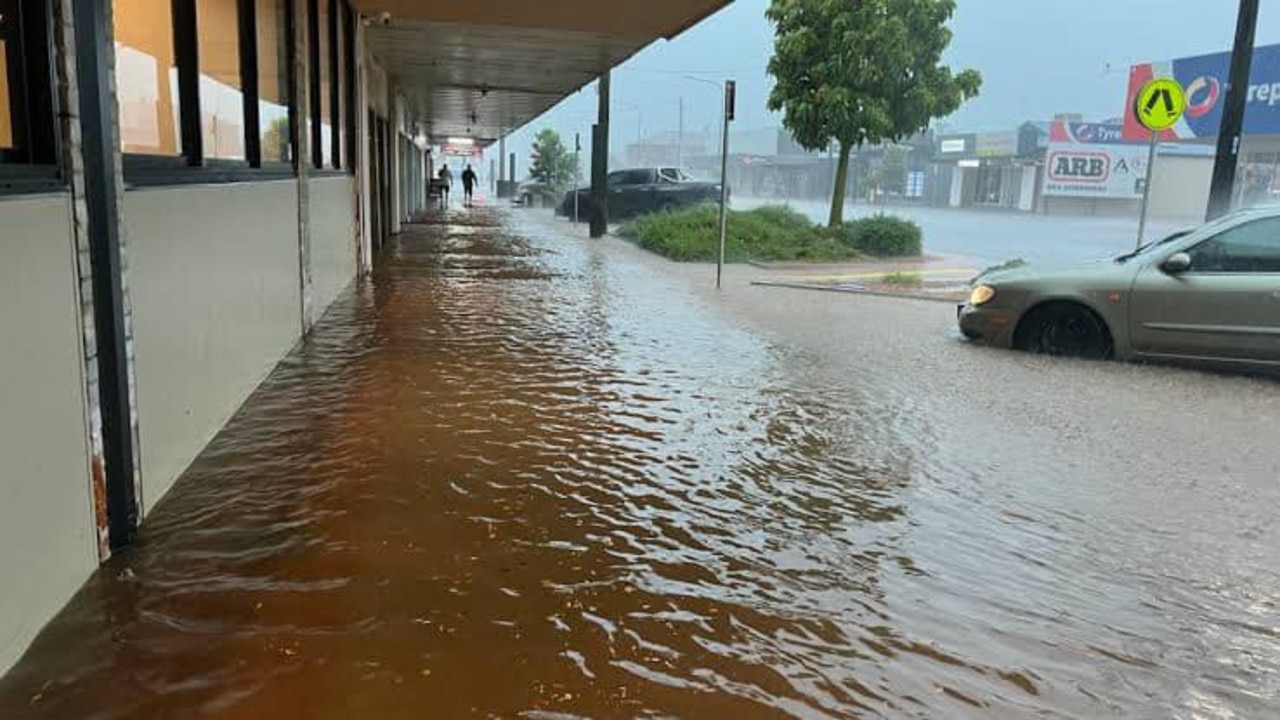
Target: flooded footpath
[[521, 474]]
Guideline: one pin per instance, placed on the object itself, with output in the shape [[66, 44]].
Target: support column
[[600, 163], [363, 177], [305, 134], [88, 89], [395, 159]]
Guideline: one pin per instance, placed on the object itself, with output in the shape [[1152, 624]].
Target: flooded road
[[519, 474]]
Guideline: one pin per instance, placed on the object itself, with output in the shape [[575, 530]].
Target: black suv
[[644, 190]]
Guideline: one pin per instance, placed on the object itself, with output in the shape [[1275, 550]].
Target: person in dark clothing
[[469, 185], [446, 183]]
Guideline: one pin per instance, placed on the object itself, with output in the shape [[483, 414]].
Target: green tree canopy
[[862, 71], [552, 162]]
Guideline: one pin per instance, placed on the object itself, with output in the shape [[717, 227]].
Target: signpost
[[730, 101], [577, 170], [1158, 107]]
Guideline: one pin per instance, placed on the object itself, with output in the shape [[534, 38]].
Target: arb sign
[[1090, 160], [1076, 166]]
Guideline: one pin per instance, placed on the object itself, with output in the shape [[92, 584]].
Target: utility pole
[[730, 102], [600, 163], [680, 138], [577, 173], [1224, 168], [502, 165]]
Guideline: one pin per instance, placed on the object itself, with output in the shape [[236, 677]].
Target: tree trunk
[[842, 184]]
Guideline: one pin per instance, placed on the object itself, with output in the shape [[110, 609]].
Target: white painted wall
[[47, 531], [1027, 193], [214, 276], [333, 238], [1181, 187], [957, 186]]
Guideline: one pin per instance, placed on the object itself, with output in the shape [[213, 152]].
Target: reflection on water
[[518, 475]]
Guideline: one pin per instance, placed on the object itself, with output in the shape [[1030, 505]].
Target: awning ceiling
[[481, 69]]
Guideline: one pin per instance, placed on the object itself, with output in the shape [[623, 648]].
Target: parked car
[[1209, 294], [644, 190]]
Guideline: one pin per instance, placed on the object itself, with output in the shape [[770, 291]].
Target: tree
[[276, 142], [893, 171], [864, 71], [552, 162]]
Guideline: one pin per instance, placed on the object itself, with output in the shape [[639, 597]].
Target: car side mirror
[[1176, 264]]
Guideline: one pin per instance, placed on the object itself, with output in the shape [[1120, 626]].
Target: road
[[989, 237], [520, 473]]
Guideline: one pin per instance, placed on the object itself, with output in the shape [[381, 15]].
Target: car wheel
[[1065, 330]]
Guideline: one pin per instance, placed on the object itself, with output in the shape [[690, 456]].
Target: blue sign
[[1204, 78]]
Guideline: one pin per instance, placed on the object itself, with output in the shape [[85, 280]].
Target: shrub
[[901, 278], [769, 233], [882, 236]]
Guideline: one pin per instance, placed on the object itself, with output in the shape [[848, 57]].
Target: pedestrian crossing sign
[[1160, 104]]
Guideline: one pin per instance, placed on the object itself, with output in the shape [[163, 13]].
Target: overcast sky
[[1037, 58]]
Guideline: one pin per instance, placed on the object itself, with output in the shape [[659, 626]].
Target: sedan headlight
[[982, 295]]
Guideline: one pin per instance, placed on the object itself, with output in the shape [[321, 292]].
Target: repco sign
[[1079, 167]]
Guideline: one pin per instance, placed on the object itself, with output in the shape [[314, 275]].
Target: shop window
[[337, 51], [273, 80], [27, 127], [11, 81], [222, 114], [324, 69], [147, 77], [349, 81], [330, 35]]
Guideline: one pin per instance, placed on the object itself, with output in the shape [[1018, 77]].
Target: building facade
[[186, 186]]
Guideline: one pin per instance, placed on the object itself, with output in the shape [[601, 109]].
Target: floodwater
[[521, 475]]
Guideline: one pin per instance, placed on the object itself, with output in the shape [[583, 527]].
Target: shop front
[[986, 170]]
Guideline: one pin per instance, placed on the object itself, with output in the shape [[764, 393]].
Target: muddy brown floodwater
[[520, 475]]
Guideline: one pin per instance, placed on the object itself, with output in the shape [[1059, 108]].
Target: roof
[[483, 68]]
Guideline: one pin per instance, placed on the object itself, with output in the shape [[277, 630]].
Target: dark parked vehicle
[[644, 190]]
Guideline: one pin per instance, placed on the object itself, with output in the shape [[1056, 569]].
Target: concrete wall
[[214, 273], [332, 216], [47, 532], [958, 176], [1027, 193], [1181, 187]]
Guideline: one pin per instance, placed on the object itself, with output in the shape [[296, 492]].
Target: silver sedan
[[1209, 294]]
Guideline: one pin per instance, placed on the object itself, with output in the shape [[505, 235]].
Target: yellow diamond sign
[[1160, 104]]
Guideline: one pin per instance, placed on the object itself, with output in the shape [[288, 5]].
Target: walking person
[[446, 183], [469, 185]]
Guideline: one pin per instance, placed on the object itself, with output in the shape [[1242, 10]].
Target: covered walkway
[[186, 187], [490, 482], [518, 473]]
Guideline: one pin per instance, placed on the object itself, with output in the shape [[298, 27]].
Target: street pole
[[577, 172], [730, 91], [600, 162], [1224, 167], [680, 138], [1146, 186]]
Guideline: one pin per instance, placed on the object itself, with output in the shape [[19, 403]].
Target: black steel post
[[186, 42], [249, 81], [600, 163], [1224, 168], [97, 105]]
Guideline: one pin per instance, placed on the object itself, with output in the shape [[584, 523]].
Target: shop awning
[[481, 69]]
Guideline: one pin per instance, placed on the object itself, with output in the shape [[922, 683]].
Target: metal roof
[[482, 69]]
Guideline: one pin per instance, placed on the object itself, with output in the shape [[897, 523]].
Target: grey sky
[[1037, 58]]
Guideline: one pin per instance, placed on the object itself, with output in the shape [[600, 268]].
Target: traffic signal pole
[[1224, 167]]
